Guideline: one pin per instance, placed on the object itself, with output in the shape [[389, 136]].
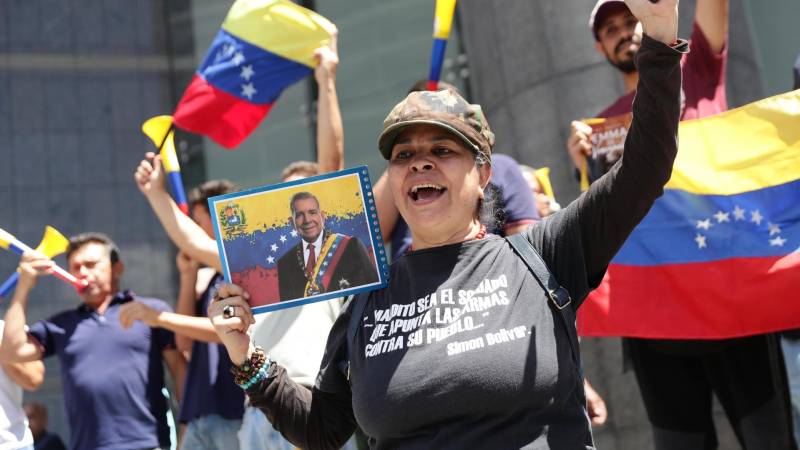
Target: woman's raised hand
[[231, 316], [659, 18]]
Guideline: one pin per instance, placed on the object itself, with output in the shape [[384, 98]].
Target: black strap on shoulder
[[355, 317], [559, 297], [356, 313]]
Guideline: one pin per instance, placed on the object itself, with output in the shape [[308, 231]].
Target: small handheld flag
[[442, 22], [160, 130], [53, 244], [10, 243], [263, 47]]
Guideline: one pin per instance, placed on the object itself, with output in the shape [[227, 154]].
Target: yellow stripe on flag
[[443, 18], [748, 148], [280, 27]]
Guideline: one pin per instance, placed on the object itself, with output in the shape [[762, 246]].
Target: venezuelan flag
[[718, 256], [159, 129], [442, 22], [263, 47]]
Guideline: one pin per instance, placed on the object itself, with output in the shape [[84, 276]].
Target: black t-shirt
[[462, 350], [464, 318]]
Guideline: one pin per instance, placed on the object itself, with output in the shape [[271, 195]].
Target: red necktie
[[312, 261]]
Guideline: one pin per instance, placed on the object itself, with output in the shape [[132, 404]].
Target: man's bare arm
[[28, 375], [16, 345], [387, 210], [182, 230], [176, 364], [330, 131], [712, 17]]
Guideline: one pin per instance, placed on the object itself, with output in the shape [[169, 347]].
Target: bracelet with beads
[[244, 372], [258, 376]]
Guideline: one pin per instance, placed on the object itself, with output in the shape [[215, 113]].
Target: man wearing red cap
[[677, 378]]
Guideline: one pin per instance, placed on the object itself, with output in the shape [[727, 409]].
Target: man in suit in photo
[[323, 261]]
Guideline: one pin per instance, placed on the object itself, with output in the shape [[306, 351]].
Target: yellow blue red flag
[[442, 22], [263, 47], [160, 130], [718, 256]]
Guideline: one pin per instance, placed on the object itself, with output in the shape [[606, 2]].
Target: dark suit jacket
[[354, 269]]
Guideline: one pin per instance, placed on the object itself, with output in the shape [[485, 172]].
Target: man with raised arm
[[112, 378], [677, 377]]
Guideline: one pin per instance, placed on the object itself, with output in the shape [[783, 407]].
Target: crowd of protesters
[[318, 389]]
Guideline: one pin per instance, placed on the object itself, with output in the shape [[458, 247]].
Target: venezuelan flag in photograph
[[718, 256], [442, 22], [263, 47]]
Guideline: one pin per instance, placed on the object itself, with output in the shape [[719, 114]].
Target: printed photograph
[[299, 242]]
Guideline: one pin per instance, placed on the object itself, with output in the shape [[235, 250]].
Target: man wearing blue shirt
[[112, 377]]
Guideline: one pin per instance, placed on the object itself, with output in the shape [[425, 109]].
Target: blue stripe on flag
[[248, 72], [686, 228], [437, 57]]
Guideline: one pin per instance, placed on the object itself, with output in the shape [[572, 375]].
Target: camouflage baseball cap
[[444, 109]]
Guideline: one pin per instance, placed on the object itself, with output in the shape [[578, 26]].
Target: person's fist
[[149, 175], [132, 311], [659, 18], [327, 59], [32, 265], [579, 143], [185, 264], [231, 316]]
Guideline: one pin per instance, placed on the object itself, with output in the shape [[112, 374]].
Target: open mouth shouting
[[425, 193]]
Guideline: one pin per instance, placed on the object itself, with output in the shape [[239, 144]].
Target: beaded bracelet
[[260, 375], [251, 367]]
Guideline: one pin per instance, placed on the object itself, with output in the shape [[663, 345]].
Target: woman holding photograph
[[463, 349]]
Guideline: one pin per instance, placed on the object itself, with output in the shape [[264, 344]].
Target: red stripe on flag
[[262, 285], [226, 119], [709, 300]]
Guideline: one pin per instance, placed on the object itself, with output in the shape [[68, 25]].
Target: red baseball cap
[[601, 10]]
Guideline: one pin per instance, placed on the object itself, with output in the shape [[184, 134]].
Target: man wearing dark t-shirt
[[677, 378], [112, 377]]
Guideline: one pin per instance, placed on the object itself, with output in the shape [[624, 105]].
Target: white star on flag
[[270, 260], [294, 233], [247, 72], [325, 263], [756, 217], [238, 58], [701, 240], [273, 247], [283, 238], [773, 228], [721, 217], [704, 224], [738, 213], [777, 242], [248, 90]]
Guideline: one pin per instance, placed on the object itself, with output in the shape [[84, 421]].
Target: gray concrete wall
[[534, 69]]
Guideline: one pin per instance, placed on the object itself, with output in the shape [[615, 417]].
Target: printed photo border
[[368, 203]]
